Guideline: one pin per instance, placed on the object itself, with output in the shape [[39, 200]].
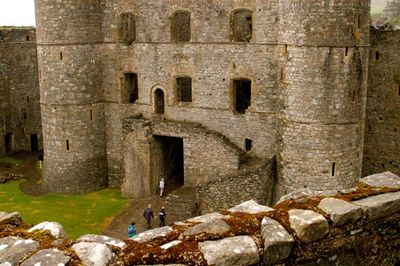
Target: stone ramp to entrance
[[182, 203]]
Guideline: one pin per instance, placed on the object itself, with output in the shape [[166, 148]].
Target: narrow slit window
[[377, 55], [398, 90], [333, 169], [159, 101], [184, 89], [248, 143], [180, 27], [91, 114], [130, 91], [28, 38], [346, 53], [61, 56], [24, 115], [27, 99], [242, 95], [242, 25], [67, 145]]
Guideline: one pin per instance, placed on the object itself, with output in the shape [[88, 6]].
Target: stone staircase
[[182, 203]]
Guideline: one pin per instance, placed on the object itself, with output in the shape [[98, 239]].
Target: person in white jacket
[[162, 184]]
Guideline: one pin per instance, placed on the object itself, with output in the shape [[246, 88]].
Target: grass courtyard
[[79, 214]]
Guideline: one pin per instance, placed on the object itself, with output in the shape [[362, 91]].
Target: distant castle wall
[[382, 129], [20, 118]]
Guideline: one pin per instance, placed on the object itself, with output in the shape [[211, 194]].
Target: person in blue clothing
[[131, 230]]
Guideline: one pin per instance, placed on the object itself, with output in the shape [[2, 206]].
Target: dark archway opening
[[159, 101], [168, 160], [34, 142], [8, 142]]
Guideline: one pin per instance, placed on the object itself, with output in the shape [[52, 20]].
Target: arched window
[[242, 25], [241, 95], [159, 101], [180, 26], [128, 28]]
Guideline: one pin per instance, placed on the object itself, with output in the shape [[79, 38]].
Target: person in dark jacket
[[162, 215], [148, 214]]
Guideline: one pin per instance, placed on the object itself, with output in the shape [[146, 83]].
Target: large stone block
[[102, 239], [10, 218], [308, 225], [149, 235], [232, 251], [94, 254], [340, 212], [213, 227], [48, 257], [55, 229], [386, 179], [277, 241], [250, 207], [13, 249], [380, 206]]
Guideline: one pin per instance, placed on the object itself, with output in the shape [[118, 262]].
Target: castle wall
[[382, 130], [71, 94], [322, 81], [19, 89], [157, 61]]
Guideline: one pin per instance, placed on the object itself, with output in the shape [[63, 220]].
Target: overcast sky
[[22, 12]]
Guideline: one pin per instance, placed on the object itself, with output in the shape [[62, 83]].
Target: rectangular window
[[67, 145], [91, 114], [242, 25], [180, 27], [130, 92], [333, 169], [184, 89], [242, 93], [248, 144]]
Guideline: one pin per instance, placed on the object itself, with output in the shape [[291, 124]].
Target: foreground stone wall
[[382, 130], [220, 194], [358, 226], [19, 90]]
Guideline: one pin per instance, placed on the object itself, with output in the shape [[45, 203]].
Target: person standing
[[162, 184], [148, 214], [162, 215], [131, 230]]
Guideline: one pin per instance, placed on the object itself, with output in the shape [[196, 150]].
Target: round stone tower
[[323, 66], [68, 38]]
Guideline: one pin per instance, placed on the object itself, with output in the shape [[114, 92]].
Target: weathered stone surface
[[149, 235], [214, 227], [306, 192], [308, 225], [102, 239], [48, 257], [13, 249], [239, 250], [56, 229], [386, 179], [277, 241], [94, 254], [379, 206], [10, 218], [340, 212], [208, 218], [251, 207], [171, 244]]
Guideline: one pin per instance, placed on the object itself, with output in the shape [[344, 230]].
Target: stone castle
[[242, 99]]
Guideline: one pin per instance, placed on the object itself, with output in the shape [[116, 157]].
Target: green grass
[[79, 214], [8, 161]]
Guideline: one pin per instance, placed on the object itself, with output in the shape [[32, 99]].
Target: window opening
[[184, 89], [159, 101], [242, 26], [130, 91], [333, 169], [377, 55], [180, 26], [128, 28], [248, 144], [61, 56], [91, 114], [67, 142], [242, 93]]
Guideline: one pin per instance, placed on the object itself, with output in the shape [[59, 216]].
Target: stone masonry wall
[[157, 61], [19, 89], [382, 129], [231, 190], [71, 95], [323, 81]]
